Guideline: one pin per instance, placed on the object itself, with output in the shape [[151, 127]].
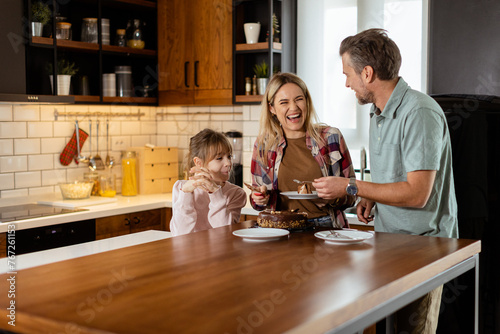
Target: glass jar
[[63, 30], [108, 185], [129, 180], [123, 75], [120, 38], [134, 34], [94, 177], [89, 30]]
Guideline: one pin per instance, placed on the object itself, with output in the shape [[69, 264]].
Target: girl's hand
[[203, 180], [261, 197]]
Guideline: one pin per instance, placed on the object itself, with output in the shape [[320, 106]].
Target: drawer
[[157, 170], [157, 186]]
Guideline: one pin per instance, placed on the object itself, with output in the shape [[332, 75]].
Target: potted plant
[[262, 73], [40, 15], [276, 27], [65, 69]]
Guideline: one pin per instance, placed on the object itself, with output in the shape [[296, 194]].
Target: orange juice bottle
[[129, 181]]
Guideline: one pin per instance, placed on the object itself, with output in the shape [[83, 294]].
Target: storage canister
[[63, 30], [89, 30], [129, 179], [120, 38], [123, 81]]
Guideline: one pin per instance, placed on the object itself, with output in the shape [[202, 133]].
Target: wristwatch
[[351, 188]]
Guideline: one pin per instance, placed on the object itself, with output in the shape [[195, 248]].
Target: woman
[[293, 145]]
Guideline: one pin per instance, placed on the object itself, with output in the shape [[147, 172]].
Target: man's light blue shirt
[[412, 134]]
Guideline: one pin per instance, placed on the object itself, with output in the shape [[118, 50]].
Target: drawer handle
[[127, 221], [168, 164], [136, 220], [152, 165]]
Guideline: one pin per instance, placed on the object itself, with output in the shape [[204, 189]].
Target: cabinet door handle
[[196, 73], [127, 221], [136, 220], [186, 64]]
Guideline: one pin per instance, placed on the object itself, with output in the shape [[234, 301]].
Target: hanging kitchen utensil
[[109, 159], [79, 157], [92, 164], [98, 160]]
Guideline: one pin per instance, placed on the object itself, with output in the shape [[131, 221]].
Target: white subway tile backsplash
[[40, 129], [13, 164], [131, 128], [42, 191], [251, 128], [5, 113], [6, 147], [31, 140], [28, 179], [26, 112], [66, 129], [53, 145], [53, 177], [148, 127], [13, 130], [6, 181], [40, 162], [26, 146], [14, 193]]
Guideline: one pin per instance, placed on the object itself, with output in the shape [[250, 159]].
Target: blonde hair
[[206, 145], [270, 131]]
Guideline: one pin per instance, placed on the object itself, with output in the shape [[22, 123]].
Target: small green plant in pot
[[40, 15], [262, 73], [65, 69]]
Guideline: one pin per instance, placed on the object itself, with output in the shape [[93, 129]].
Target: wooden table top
[[214, 282]]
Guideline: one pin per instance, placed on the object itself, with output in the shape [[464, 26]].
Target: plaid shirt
[[332, 158]]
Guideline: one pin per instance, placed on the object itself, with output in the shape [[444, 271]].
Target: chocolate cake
[[283, 219], [305, 188]]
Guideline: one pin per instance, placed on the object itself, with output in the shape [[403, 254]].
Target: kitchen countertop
[[123, 205], [35, 259]]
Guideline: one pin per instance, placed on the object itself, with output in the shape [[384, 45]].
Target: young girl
[[206, 200]]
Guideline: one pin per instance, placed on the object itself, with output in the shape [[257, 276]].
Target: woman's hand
[[262, 197]]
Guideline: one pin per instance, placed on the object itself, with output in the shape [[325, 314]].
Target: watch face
[[351, 190]]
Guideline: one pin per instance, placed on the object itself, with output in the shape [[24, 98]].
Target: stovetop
[[27, 211]]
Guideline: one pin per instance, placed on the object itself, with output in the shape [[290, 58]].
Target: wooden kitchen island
[[214, 282]]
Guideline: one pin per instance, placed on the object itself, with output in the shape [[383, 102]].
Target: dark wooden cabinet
[[278, 50], [195, 52], [113, 226], [3, 245], [94, 59]]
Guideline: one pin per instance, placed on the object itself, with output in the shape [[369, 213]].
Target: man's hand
[[331, 187], [363, 210]]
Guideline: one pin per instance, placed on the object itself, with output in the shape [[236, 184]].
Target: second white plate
[[261, 234], [344, 236], [296, 195]]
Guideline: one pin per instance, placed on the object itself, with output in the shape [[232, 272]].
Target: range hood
[[6, 98]]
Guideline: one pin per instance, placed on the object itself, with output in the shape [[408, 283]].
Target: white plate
[[296, 195], [345, 236], [261, 234]]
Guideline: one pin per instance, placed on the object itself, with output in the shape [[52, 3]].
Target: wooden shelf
[[82, 46], [127, 50], [86, 98], [141, 3], [117, 99], [248, 98], [263, 46]]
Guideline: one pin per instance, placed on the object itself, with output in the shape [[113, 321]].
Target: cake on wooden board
[[283, 219]]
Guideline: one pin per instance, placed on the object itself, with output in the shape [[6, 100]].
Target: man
[[410, 157]]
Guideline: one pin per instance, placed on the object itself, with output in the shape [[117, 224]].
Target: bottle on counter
[[129, 180], [94, 177], [108, 185]]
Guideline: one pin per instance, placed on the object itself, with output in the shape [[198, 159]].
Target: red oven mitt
[[70, 152]]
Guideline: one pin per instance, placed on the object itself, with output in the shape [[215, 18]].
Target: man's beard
[[366, 98]]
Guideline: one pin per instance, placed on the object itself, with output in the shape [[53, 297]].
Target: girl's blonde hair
[[270, 131], [206, 145]]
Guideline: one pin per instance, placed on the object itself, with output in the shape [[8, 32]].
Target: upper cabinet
[[195, 52], [275, 44], [106, 72]]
